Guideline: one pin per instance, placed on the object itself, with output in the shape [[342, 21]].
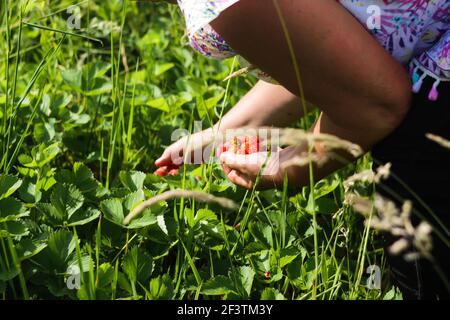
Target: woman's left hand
[[243, 169], [269, 169]]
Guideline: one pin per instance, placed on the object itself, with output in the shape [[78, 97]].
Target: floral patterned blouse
[[415, 32]]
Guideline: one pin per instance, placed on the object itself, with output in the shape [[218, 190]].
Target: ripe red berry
[[240, 145], [167, 170], [252, 145], [172, 170], [161, 172], [248, 145], [223, 148]]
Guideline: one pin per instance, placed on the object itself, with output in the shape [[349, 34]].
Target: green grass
[[80, 130]]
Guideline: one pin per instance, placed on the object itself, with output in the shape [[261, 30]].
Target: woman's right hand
[[175, 153]]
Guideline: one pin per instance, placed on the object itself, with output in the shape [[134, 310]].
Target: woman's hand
[[175, 154], [243, 170], [265, 104]]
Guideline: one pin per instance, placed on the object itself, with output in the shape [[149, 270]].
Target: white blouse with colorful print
[[415, 32]]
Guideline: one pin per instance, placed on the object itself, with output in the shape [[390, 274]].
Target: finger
[[226, 169], [172, 155], [240, 179], [167, 161], [164, 159], [161, 171]]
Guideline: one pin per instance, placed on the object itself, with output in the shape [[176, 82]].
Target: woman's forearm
[[265, 104], [341, 67], [334, 62]]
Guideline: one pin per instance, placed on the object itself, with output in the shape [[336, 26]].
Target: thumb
[[170, 156]]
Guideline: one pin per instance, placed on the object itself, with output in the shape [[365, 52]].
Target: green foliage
[[80, 127], [137, 265], [8, 185]]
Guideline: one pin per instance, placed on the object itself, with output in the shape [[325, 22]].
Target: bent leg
[[424, 167]]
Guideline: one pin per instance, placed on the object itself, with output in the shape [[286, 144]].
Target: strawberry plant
[[84, 113]]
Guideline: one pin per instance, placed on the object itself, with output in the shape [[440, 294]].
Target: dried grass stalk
[[389, 218], [174, 194], [439, 140], [240, 72], [270, 137], [297, 136], [370, 176], [305, 159]]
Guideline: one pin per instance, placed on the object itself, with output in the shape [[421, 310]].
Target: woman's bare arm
[[363, 92], [343, 69], [265, 104]]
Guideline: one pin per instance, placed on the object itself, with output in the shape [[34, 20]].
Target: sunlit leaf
[[83, 216], [133, 180], [159, 103], [67, 199], [113, 211], [8, 185], [138, 265], [272, 294], [219, 285]]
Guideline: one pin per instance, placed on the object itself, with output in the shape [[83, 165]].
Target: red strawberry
[[251, 145], [172, 170], [167, 170], [161, 171], [223, 148], [240, 145], [245, 145]]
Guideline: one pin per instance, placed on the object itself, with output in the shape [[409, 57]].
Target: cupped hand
[[267, 170], [244, 169]]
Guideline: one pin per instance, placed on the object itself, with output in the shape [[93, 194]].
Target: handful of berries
[[170, 170], [240, 145]]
